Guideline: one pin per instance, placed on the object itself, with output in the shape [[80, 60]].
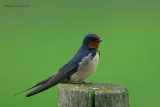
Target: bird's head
[[91, 41]]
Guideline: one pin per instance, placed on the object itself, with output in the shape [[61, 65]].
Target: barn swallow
[[80, 67]]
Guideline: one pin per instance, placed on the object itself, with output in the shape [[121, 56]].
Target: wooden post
[[92, 95]]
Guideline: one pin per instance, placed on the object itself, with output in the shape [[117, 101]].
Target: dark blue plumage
[[73, 64], [78, 68]]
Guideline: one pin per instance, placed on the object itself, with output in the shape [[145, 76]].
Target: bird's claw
[[84, 83]]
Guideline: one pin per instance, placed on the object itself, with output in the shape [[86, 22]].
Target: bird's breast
[[86, 67]]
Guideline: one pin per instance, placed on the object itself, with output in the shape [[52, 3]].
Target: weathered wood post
[[93, 95]]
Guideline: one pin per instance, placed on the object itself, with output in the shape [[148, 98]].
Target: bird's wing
[[66, 71], [58, 77], [72, 66]]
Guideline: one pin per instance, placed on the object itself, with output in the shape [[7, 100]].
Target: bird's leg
[[84, 83], [81, 83]]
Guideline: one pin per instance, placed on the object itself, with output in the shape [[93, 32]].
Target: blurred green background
[[36, 41]]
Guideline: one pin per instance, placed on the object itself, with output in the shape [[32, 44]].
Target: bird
[[80, 67]]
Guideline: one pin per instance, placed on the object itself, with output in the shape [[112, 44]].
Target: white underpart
[[86, 67]]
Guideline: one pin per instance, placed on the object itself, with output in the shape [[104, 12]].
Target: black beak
[[99, 40]]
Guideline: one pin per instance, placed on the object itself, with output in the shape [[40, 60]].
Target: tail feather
[[52, 82], [38, 84]]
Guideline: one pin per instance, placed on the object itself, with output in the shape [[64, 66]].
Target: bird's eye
[[92, 39]]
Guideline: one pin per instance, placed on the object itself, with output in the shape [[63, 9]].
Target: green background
[[36, 41]]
